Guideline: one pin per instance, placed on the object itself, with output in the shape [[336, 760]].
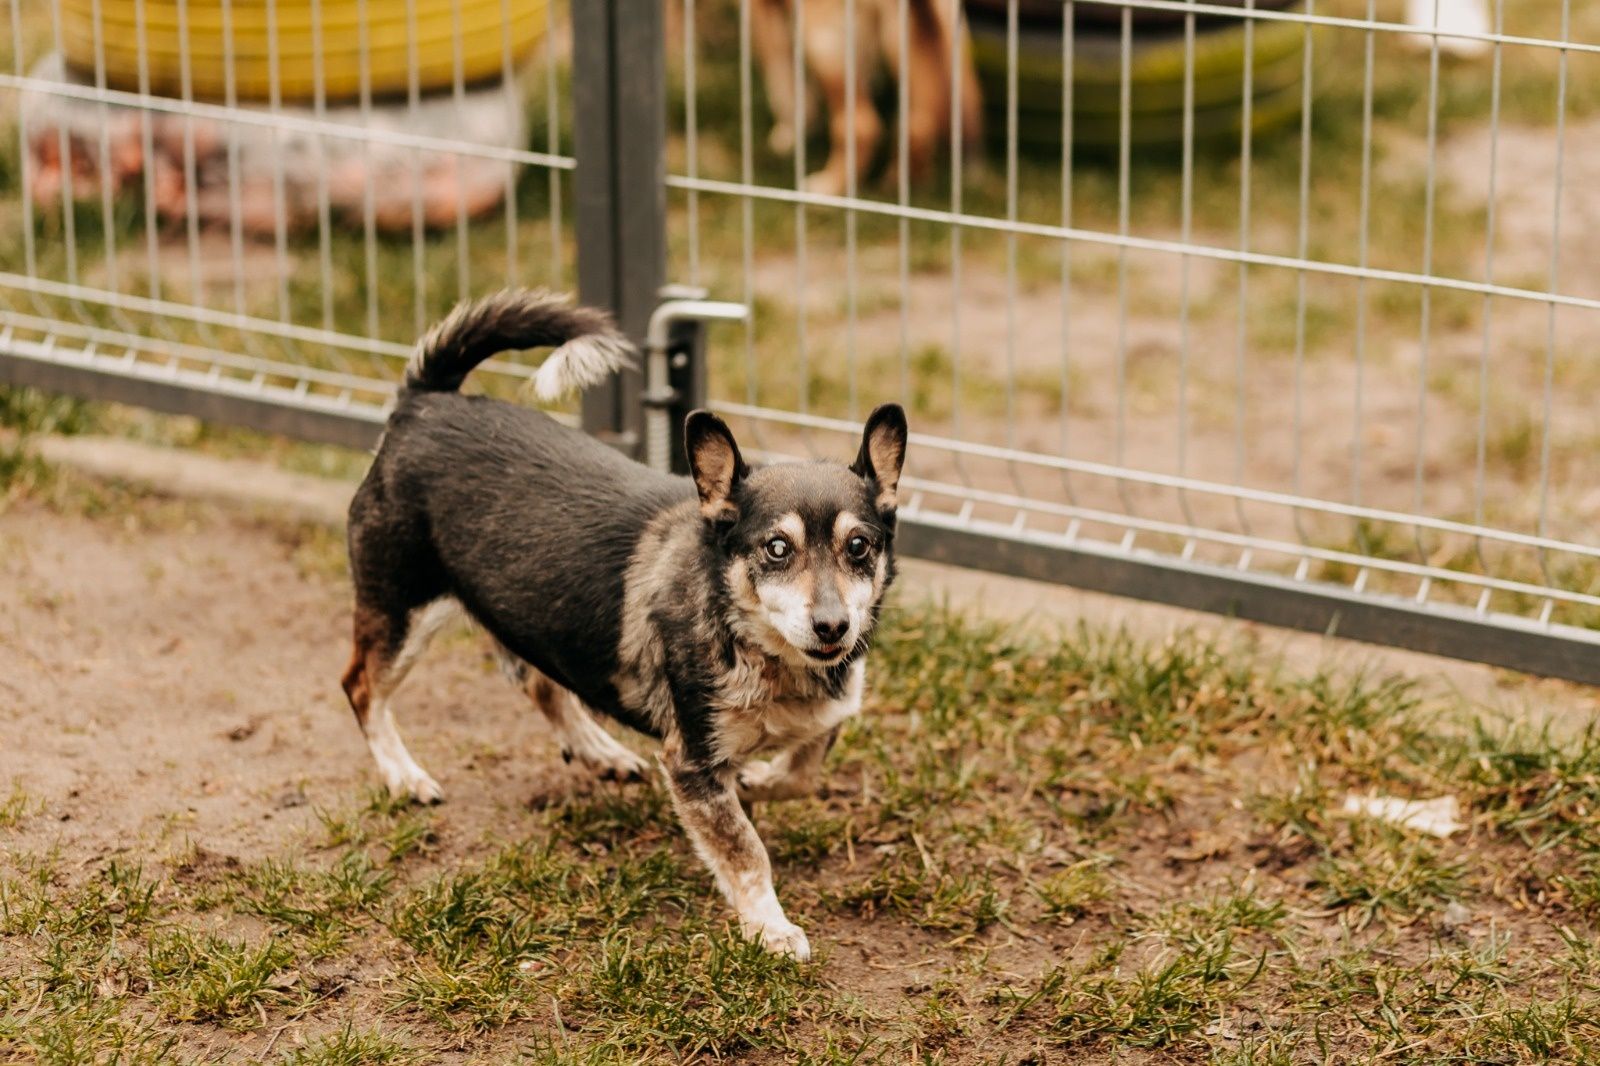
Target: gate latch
[[673, 343]]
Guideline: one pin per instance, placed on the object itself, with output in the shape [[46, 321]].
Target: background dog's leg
[[387, 645], [828, 37], [928, 117], [771, 36], [580, 736], [971, 97], [724, 838], [792, 774]]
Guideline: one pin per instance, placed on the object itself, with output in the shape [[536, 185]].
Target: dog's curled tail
[[588, 345]]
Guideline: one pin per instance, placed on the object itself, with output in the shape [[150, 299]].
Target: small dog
[[727, 614], [934, 65]]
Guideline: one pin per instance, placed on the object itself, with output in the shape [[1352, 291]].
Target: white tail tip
[[580, 363]]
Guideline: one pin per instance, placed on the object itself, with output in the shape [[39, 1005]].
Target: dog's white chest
[[782, 720]]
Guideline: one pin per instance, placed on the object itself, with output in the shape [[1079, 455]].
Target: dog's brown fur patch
[[372, 651]]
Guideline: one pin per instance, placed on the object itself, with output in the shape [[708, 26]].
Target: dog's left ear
[[883, 453], [715, 462]]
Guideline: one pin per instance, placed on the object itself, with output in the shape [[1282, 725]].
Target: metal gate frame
[[621, 218]]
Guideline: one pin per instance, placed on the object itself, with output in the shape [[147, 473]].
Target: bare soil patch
[[1093, 850]]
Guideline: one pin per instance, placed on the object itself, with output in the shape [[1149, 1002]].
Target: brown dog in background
[[937, 43]]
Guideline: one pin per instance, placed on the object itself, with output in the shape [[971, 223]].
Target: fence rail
[[1276, 309]]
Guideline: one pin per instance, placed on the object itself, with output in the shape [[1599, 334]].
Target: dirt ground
[[169, 692], [1102, 851], [170, 682], [179, 680]]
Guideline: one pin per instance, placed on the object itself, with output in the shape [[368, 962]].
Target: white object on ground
[[1451, 16], [1440, 817]]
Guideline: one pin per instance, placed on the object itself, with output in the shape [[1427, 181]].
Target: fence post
[[619, 132], [687, 375]]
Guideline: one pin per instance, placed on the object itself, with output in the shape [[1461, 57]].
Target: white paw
[[756, 775], [615, 763], [784, 938], [763, 781], [826, 182], [416, 784], [781, 138]]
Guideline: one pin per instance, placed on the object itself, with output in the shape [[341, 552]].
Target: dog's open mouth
[[825, 652]]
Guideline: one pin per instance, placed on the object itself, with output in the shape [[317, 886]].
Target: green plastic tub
[[1156, 76]]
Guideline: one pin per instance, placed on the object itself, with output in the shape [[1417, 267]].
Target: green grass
[[1007, 788], [352, 1047], [1069, 894], [1156, 1005], [17, 806], [1383, 873], [23, 413], [202, 977], [316, 902], [911, 888], [1237, 911], [710, 994], [26, 411]]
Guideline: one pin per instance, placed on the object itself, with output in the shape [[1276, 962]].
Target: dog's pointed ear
[[715, 463], [883, 453]]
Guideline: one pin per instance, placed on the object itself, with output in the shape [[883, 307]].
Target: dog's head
[[806, 549]]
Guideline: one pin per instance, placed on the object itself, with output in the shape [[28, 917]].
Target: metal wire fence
[[276, 248], [1324, 353], [1281, 309]]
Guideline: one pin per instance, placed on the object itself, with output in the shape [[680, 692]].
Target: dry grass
[[1035, 846]]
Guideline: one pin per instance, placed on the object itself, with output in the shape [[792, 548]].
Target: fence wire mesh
[[257, 227], [1294, 295], [1291, 291]]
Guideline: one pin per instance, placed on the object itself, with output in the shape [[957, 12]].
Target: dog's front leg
[[709, 809]]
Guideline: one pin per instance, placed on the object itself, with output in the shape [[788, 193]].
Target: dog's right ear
[[715, 462]]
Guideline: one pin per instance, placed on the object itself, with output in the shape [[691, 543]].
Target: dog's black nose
[[829, 630]]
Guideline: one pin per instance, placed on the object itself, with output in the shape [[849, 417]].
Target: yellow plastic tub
[[480, 31]]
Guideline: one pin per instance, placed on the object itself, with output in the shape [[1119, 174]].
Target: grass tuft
[[1069, 894], [1155, 1005], [710, 994], [203, 977], [352, 1047], [1382, 872]]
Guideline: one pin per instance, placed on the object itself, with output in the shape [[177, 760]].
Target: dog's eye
[[778, 549], [857, 547]]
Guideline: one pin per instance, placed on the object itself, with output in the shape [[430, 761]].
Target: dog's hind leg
[[580, 736], [387, 645]]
